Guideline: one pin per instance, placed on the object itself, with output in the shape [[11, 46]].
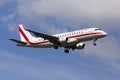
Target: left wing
[[52, 39]]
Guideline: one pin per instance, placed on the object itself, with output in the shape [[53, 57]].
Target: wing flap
[[52, 39]]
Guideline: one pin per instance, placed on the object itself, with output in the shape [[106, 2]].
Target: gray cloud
[[72, 8], [73, 13], [107, 49], [8, 21]]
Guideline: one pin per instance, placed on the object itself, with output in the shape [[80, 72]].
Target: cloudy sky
[[101, 62]]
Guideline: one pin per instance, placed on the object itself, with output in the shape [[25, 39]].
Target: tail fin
[[25, 35]]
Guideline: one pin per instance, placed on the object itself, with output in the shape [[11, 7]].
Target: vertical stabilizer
[[24, 34]]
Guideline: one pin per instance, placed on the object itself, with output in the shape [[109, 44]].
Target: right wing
[[19, 42]]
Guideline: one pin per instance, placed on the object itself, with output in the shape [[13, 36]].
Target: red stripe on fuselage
[[84, 34], [27, 39]]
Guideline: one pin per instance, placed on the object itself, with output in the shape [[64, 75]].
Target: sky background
[[101, 62]]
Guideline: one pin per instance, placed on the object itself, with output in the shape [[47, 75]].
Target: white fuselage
[[73, 38], [69, 40]]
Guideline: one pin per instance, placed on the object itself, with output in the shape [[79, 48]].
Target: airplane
[[69, 40]]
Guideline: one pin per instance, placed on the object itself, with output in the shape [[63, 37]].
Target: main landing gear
[[94, 42], [55, 47], [66, 50]]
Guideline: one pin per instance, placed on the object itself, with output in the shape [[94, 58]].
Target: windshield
[[97, 29]]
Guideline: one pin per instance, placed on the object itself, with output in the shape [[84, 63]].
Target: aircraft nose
[[105, 34]]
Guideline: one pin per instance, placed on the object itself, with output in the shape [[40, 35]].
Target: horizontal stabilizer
[[19, 42]]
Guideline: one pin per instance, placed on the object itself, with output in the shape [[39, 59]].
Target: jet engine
[[80, 46]]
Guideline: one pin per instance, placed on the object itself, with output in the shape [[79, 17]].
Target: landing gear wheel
[[66, 51], [94, 42], [55, 47]]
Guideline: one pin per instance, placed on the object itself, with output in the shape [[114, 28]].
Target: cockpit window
[[97, 29]]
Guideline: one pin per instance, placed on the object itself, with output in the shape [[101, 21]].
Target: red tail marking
[[26, 38], [23, 34]]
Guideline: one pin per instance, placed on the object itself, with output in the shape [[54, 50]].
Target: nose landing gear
[[94, 42]]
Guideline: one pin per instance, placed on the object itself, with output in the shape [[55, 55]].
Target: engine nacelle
[[80, 46]]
